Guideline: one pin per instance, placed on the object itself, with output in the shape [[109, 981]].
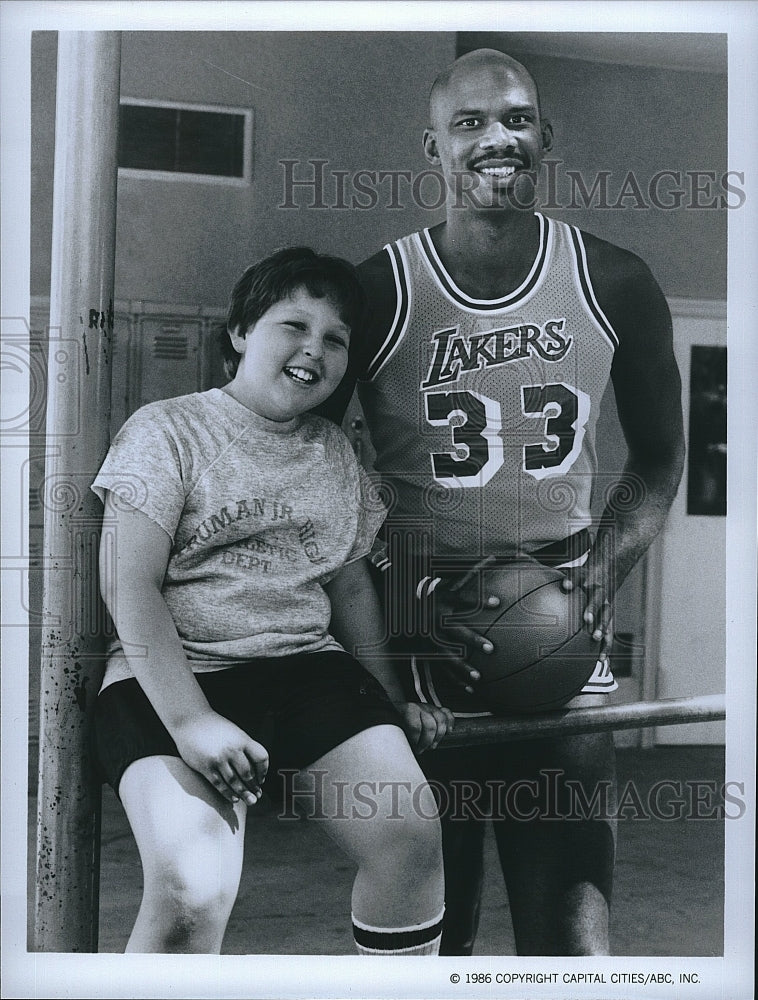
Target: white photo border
[[56, 975]]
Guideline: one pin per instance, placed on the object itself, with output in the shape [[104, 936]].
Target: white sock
[[418, 939]]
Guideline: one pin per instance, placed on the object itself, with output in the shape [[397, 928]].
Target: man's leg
[[558, 866], [449, 772], [462, 848]]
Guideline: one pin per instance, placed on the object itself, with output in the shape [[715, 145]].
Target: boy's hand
[[225, 755], [424, 725]]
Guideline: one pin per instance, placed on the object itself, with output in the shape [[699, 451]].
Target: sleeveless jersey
[[483, 412]]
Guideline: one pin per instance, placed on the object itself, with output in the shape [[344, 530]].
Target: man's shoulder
[[617, 271], [610, 261], [625, 287], [377, 268], [377, 275]]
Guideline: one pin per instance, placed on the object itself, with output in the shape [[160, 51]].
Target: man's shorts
[[299, 707], [428, 681]]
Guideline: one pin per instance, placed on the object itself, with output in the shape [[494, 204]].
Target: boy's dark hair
[[272, 279]]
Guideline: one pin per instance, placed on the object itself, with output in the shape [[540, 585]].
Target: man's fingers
[[605, 626], [461, 673], [597, 617], [469, 638]]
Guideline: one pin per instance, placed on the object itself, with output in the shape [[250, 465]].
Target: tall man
[[491, 340]]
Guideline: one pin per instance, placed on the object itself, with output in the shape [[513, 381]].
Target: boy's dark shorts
[[299, 707]]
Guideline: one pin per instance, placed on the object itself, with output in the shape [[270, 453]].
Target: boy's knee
[[191, 903], [420, 833]]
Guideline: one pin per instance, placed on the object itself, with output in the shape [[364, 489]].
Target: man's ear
[[430, 146], [547, 134]]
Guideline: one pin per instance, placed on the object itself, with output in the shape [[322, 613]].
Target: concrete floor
[[295, 891]]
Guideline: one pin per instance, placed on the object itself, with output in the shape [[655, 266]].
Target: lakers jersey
[[483, 411]]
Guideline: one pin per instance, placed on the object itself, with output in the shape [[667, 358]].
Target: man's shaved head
[[472, 62]]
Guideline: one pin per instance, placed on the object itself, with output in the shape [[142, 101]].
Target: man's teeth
[[497, 171], [300, 374]]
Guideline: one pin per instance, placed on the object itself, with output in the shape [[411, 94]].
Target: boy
[[236, 522]]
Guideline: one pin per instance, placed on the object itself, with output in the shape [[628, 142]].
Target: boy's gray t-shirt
[[261, 514]]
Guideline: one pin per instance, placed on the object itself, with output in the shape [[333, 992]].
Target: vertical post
[[78, 416]]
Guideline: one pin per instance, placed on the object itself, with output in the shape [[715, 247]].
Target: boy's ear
[[430, 146], [237, 339]]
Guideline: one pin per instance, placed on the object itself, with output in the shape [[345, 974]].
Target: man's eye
[[469, 122]]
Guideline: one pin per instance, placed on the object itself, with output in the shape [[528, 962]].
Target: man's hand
[[225, 755], [596, 583], [424, 725], [451, 598]]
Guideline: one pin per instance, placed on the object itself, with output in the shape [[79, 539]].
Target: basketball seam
[[518, 600], [484, 684]]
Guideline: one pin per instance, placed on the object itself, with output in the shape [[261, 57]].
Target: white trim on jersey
[[529, 286], [399, 326], [584, 286]]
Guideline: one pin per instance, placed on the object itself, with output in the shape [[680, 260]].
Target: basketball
[[543, 656]]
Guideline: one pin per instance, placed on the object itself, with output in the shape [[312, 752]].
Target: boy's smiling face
[[292, 358]]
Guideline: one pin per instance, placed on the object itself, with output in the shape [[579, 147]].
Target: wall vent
[[171, 344]]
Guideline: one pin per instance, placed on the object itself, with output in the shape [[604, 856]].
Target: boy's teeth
[[301, 374], [499, 171]]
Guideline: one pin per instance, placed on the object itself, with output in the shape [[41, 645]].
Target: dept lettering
[[455, 354], [239, 510]]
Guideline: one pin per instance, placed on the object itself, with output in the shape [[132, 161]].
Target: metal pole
[[571, 722], [78, 416]]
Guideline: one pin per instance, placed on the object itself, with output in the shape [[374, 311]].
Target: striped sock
[[418, 939]]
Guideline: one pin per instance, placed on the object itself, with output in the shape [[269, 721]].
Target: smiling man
[[492, 338]]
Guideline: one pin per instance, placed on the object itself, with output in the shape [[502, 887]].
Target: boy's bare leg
[[190, 842], [395, 839]]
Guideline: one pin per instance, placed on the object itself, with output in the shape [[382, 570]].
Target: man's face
[[487, 136]]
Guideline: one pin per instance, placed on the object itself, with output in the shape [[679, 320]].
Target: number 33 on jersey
[[484, 411]]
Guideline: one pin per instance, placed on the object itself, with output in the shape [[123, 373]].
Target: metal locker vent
[[167, 359], [171, 344]]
